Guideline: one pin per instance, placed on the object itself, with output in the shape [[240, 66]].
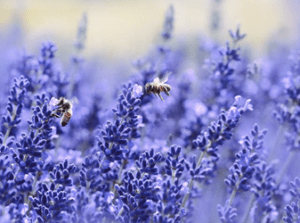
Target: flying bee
[[158, 85], [63, 111]]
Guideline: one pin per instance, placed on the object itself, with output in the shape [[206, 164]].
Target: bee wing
[[74, 100], [53, 102], [165, 78], [156, 80]]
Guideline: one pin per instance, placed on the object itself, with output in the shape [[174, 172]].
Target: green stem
[[234, 191], [186, 196], [173, 176], [33, 187], [118, 181], [202, 156], [285, 166], [87, 189], [276, 142], [188, 193], [121, 212], [57, 145], [35, 180], [6, 135], [72, 81], [122, 120], [249, 206], [190, 186], [10, 127]]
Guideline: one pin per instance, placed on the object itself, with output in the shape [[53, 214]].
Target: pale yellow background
[[122, 30]]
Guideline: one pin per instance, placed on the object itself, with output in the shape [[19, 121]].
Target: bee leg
[[165, 89], [55, 115], [160, 97], [61, 102]]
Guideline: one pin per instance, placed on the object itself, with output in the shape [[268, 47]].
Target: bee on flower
[[63, 109]]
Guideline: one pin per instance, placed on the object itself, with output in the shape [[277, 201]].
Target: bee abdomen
[[167, 87], [66, 118]]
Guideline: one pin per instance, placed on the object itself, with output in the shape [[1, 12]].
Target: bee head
[[61, 102], [148, 87], [67, 105]]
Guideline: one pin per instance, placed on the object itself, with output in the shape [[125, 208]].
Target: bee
[[157, 86], [63, 111]]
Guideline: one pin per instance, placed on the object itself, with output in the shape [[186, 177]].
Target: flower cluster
[[292, 210], [247, 161]]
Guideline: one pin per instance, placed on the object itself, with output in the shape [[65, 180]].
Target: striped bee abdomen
[[66, 118]]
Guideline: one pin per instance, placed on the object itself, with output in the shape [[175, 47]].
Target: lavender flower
[[14, 106], [81, 33], [208, 142], [115, 135], [248, 163], [264, 188], [224, 80], [133, 158], [292, 210], [168, 25]]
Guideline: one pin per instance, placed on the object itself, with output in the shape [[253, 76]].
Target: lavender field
[[172, 139]]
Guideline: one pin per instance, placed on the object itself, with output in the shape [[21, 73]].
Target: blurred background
[[118, 32], [122, 30]]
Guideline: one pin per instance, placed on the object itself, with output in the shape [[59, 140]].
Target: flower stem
[[72, 81], [192, 180], [10, 127], [118, 181], [285, 166], [121, 212], [276, 142], [6, 135], [249, 206], [234, 191]]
